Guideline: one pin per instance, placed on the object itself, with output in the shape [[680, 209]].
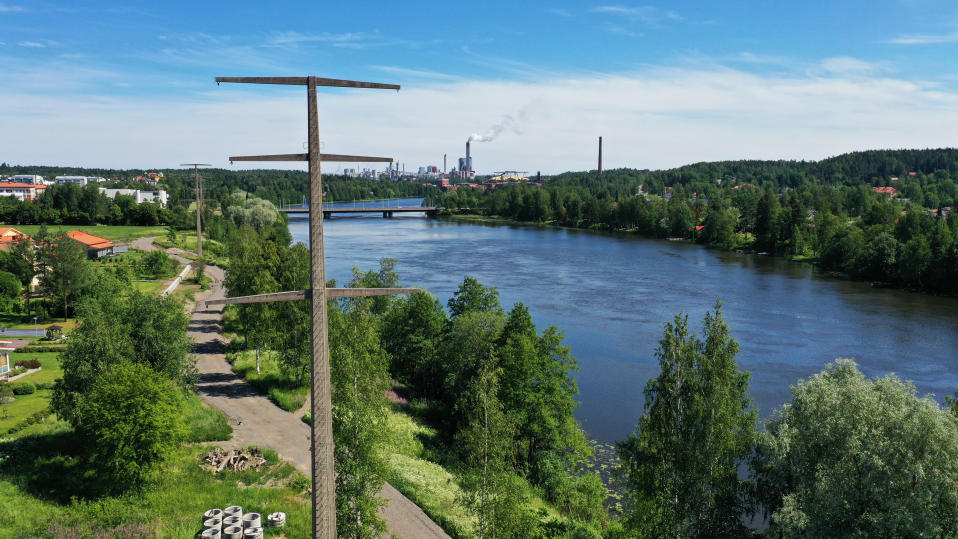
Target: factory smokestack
[[444, 169], [600, 155], [467, 149]]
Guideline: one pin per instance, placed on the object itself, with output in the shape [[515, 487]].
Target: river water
[[611, 294]]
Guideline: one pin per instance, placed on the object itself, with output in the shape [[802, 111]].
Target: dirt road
[[257, 421]]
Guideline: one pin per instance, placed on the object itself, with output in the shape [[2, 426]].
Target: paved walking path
[[257, 421]]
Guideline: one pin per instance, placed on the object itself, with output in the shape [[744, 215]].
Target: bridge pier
[[327, 214], [387, 214]]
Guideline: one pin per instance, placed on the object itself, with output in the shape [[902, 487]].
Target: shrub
[[28, 363], [23, 388], [46, 385], [6, 393], [132, 421]]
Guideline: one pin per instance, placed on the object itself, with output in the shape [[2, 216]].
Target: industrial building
[[466, 170]]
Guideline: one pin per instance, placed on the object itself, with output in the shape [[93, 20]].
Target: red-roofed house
[[890, 191], [9, 237], [97, 247]]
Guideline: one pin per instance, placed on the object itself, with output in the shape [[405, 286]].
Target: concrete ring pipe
[[233, 532], [276, 520], [252, 520]]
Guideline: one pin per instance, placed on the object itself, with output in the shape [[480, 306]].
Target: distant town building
[[96, 246], [27, 178], [141, 195], [21, 191], [890, 191], [79, 180]]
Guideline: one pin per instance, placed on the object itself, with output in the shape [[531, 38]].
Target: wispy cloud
[[39, 44], [925, 39], [752, 58], [418, 73], [849, 66], [293, 37], [558, 11], [644, 14], [4, 8]]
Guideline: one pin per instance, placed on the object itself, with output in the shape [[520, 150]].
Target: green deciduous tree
[[360, 378], [130, 421], [119, 326], [681, 467], [9, 288], [856, 457]]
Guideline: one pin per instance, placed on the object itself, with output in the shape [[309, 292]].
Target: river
[[611, 294]]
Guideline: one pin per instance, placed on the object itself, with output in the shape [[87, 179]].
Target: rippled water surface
[[612, 294]]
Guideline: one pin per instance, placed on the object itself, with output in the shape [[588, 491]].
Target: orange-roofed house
[[9, 237], [97, 247]]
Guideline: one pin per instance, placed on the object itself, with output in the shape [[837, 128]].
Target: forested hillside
[[881, 216]]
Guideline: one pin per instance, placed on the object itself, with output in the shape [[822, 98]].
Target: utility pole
[[323, 472], [199, 197]]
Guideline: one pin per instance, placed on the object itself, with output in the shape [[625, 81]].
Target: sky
[[131, 84]]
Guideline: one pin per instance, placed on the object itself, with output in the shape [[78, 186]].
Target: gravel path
[[257, 421]]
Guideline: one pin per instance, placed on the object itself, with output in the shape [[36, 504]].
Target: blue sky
[[131, 84]]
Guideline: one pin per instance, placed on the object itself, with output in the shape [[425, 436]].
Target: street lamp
[[36, 331]]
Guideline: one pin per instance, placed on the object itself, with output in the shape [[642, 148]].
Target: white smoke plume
[[506, 122]]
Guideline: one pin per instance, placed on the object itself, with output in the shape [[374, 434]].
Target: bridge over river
[[387, 212]]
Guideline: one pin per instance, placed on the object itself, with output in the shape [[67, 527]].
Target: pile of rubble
[[237, 460]]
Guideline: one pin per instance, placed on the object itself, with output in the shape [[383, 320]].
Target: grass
[[41, 493], [281, 389], [150, 288], [427, 484], [18, 321], [213, 251], [22, 408], [49, 361], [203, 423], [110, 232]]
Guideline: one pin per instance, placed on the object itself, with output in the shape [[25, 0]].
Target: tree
[[9, 287], [65, 270], [486, 443], [681, 467], [117, 326], [412, 334], [130, 421], [472, 296], [159, 264], [857, 457], [360, 378]]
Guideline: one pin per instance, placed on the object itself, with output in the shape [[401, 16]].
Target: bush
[[159, 264], [46, 385], [28, 363], [23, 388], [6, 392], [132, 421], [39, 349]]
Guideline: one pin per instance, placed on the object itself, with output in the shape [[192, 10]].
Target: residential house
[[5, 364], [9, 237], [97, 247]]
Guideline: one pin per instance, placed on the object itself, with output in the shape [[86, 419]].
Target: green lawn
[[150, 288], [42, 493], [18, 321], [281, 389], [23, 407], [49, 361], [110, 232]]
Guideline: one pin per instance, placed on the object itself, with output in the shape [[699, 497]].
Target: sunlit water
[[611, 294]]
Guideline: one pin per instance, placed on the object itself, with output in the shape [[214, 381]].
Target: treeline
[[277, 186], [500, 392], [848, 456], [826, 212]]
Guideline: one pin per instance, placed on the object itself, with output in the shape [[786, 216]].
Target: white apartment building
[[141, 196], [22, 191], [27, 178]]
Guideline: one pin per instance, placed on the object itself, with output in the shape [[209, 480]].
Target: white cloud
[[4, 8], [847, 65], [644, 14], [653, 118], [557, 11], [925, 39], [43, 43], [415, 73]]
